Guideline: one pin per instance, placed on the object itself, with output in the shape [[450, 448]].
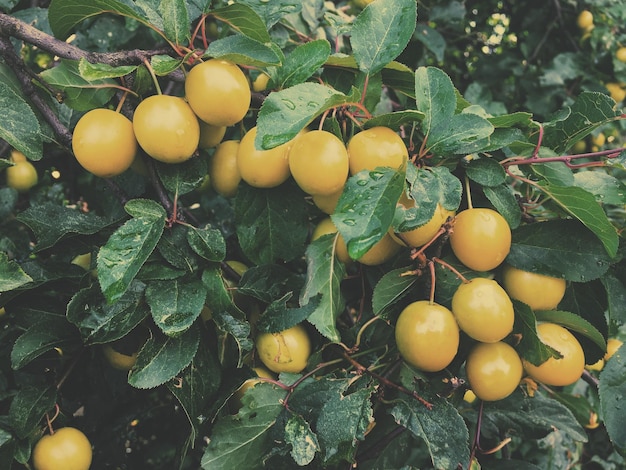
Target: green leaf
[[559, 248], [28, 408], [197, 384], [176, 24], [589, 111], [244, 20], [12, 275], [162, 358], [207, 242], [19, 126], [530, 346], [269, 282], [174, 247], [612, 386], [366, 208], [394, 120], [129, 246], [183, 177], [343, 420], [278, 316], [64, 15], [41, 338], [303, 441], [285, 113], [271, 223], [607, 189], [175, 304], [272, 12], [390, 289], [92, 72], [300, 64], [441, 428], [458, 134], [486, 172], [616, 297], [573, 322], [78, 93], [583, 206], [8, 200], [432, 39], [50, 223], [381, 32], [163, 64], [505, 203], [244, 50], [434, 96], [99, 322], [238, 441], [323, 276]]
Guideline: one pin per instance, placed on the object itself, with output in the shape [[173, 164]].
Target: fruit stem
[[433, 277], [361, 330], [468, 193], [49, 421], [153, 75]]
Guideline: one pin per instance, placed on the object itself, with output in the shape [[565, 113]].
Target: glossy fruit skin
[[166, 128], [260, 82], [327, 203], [427, 336], [585, 19], [210, 135], [620, 54], [423, 234], [248, 384], [326, 226], [480, 238], [117, 359], [617, 92], [612, 345], [66, 449], [494, 370], [381, 252], [22, 176], [374, 147], [538, 291], [285, 351], [262, 168], [223, 170], [563, 371], [104, 142], [318, 161], [483, 310], [218, 92], [17, 156]]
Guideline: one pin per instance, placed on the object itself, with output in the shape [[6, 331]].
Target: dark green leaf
[[269, 282], [176, 24], [435, 97], [162, 358], [40, 338], [244, 50], [29, 407], [19, 126], [486, 172], [303, 441], [285, 113], [278, 316], [243, 19], [100, 322], [238, 441], [64, 15], [582, 205], [272, 12], [174, 247], [441, 428], [50, 223], [207, 242], [381, 32], [432, 39], [573, 322], [505, 203], [11, 274], [366, 208], [78, 93], [612, 387], [391, 288], [175, 304], [183, 177], [91, 72], [301, 63], [559, 248], [458, 134], [530, 346], [8, 199], [129, 246], [323, 276], [163, 64], [394, 120], [616, 297], [271, 223], [607, 189]]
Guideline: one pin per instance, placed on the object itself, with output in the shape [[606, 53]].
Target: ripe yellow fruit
[[494, 370], [166, 128], [223, 170], [617, 92], [374, 147], [66, 449], [285, 351], [260, 82], [22, 176], [218, 92], [612, 345], [423, 234], [327, 203], [318, 161], [104, 142], [538, 291], [565, 370], [585, 19], [620, 54], [117, 359], [263, 168], [381, 252], [210, 135], [326, 226], [17, 156]]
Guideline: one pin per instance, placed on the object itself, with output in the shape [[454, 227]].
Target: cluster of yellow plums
[[168, 128], [428, 334]]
